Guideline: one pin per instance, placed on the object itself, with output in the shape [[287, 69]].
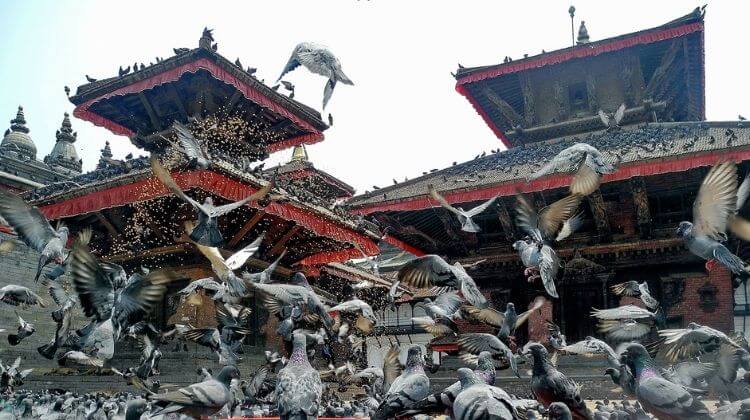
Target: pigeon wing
[[426, 271], [188, 142], [569, 227], [619, 114], [549, 264], [552, 217], [481, 208], [391, 367], [523, 316], [258, 195], [603, 116], [162, 174], [239, 258], [717, 199], [30, 225], [141, 296], [585, 181], [443, 202], [91, 283], [628, 288], [488, 316]]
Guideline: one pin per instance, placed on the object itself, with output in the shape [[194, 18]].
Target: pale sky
[[403, 115]]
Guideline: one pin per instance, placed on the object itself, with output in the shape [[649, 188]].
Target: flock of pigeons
[[666, 370]]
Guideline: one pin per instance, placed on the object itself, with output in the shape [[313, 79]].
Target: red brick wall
[[721, 317], [536, 322]]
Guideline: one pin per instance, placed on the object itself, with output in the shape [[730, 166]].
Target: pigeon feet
[[710, 264]]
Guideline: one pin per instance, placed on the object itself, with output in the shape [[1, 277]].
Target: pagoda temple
[[662, 148]]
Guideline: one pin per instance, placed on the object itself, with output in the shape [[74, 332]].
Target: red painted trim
[[83, 111], [582, 51], [403, 245], [482, 113], [334, 256], [214, 183], [445, 348], [655, 167], [568, 54]]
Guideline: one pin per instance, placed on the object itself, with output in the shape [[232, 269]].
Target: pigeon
[[464, 216], [100, 300], [659, 396], [635, 289], [298, 385], [224, 269], [730, 361], [62, 317], [612, 121], [265, 275], [209, 283], [559, 411], [318, 60], [135, 409], [591, 346], [79, 358], [586, 160], [409, 387], [278, 299], [90, 79], [207, 231], [476, 343], [713, 210], [226, 339], [202, 399], [330, 119], [191, 147], [441, 400], [477, 400], [358, 308], [556, 337], [696, 339], [550, 385], [507, 322], [123, 72], [438, 320], [432, 270], [25, 329], [624, 323], [15, 295], [34, 230]]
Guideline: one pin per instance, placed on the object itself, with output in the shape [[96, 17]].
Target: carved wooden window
[[578, 98], [672, 208]]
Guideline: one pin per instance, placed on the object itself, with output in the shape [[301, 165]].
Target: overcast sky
[[403, 115]]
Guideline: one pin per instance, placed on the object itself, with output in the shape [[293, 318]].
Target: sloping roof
[[664, 147], [306, 168]]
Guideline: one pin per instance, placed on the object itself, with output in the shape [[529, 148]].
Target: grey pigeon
[[696, 339], [660, 397], [612, 121], [25, 329], [464, 216], [190, 146], [225, 268], [135, 409], [279, 299], [624, 323], [556, 337], [34, 230], [549, 385], [559, 411], [479, 401], [16, 295], [635, 289], [202, 399], [265, 275], [507, 322], [298, 386], [432, 270], [586, 160], [62, 317], [476, 343], [439, 314], [207, 231], [409, 387], [219, 289], [713, 211], [318, 60]]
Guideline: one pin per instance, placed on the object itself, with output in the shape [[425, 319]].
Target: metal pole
[[572, 13]]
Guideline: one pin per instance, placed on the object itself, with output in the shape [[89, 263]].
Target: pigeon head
[[467, 377], [685, 229], [520, 245], [227, 373], [414, 357], [299, 340], [559, 411], [635, 352], [63, 230], [209, 201], [510, 306], [611, 372], [484, 361]]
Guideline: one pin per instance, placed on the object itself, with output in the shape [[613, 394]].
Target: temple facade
[[662, 147]]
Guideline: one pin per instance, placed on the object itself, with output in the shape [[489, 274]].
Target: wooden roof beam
[[453, 230], [178, 101], [116, 235], [150, 111], [279, 245], [257, 217]]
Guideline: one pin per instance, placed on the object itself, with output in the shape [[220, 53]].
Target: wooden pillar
[[598, 210], [642, 210]]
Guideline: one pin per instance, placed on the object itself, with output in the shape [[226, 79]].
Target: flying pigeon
[[464, 216], [506, 322], [696, 339], [25, 329], [62, 317], [191, 147], [478, 400], [432, 270], [207, 231], [439, 314], [265, 275], [318, 60], [635, 289], [550, 385], [586, 160], [225, 269], [713, 211], [298, 385], [409, 387], [659, 396], [15, 295], [219, 289], [202, 399], [34, 230], [612, 121], [624, 323], [476, 343]]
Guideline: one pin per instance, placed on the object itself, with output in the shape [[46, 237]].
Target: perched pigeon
[[318, 60], [464, 216], [635, 289], [713, 211], [431, 270], [202, 399], [550, 385], [586, 160], [298, 385], [34, 230], [207, 231], [135, 409], [659, 396], [478, 400], [25, 329], [408, 388]]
